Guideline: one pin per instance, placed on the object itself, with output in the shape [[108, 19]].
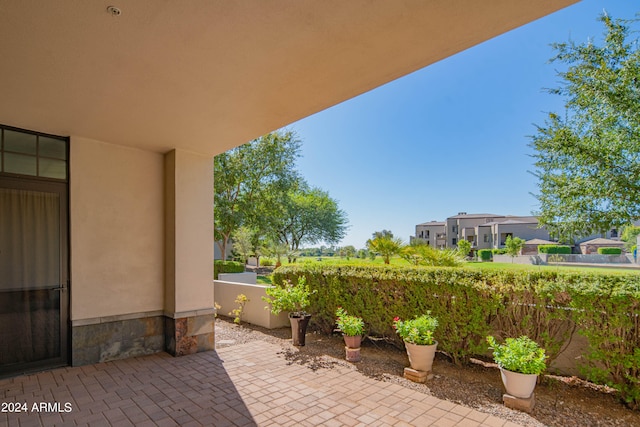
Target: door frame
[[62, 189]]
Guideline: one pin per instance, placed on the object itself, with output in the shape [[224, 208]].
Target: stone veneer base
[[112, 339], [189, 335]]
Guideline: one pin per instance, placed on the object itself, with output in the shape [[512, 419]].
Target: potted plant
[[521, 360], [294, 299], [352, 328], [417, 335]]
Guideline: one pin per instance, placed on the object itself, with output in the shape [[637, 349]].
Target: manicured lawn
[[397, 261], [563, 268], [263, 280]]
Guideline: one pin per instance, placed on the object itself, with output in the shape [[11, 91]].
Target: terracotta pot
[[517, 384], [299, 328], [352, 341], [353, 354], [421, 356]]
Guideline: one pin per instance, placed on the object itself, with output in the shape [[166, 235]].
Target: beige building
[[490, 231], [484, 231], [110, 118]]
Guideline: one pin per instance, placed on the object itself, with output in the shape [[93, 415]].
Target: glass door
[[34, 294]]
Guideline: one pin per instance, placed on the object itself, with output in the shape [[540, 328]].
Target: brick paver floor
[[245, 385]]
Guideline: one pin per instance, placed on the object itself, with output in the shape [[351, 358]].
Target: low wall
[[565, 258], [247, 277], [226, 292], [520, 259]]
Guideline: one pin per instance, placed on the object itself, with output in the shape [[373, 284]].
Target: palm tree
[[385, 244]]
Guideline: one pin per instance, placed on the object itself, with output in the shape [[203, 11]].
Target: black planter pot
[[299, 325]]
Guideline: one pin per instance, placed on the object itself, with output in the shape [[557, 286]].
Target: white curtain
[[29, 269]]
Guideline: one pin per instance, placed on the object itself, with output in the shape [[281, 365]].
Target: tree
[[630, 235], [309, 216], [249, 181], [513, 245], [588, 162], [242, 242], [464, 247], [383, 243]]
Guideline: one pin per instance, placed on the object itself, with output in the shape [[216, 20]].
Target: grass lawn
[[563, 268], [397, 261]]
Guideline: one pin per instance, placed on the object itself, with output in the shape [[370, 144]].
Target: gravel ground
[[562, 402]]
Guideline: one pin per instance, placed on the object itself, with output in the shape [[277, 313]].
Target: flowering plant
[[289, 297], [417, 331], [521, 355], [351, 326]]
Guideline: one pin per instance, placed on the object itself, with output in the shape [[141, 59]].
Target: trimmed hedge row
[[609, 251], [485, 254], [554, 249], [220, 266], [470, 304]]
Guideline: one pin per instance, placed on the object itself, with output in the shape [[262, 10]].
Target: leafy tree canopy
[[248, 180], [588, 160], [309, 216]]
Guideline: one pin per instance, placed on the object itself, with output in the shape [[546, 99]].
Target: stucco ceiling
[[206, 75]]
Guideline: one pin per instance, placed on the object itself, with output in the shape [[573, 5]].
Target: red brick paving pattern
[[244, 385]]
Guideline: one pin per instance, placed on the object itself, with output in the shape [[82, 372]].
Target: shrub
[[472, 304], [351, 326], [609, 251], [485, 254], [521, 355], [237, 313], [220, 266], [289, 297], [267, 262], [554, 249], [417, 331], [502, 251]]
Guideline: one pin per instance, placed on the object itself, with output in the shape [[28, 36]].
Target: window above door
[[33, 154]]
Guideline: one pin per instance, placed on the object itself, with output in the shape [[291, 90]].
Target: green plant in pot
[[293, 298], [521, 360], [419, 340], [352, 328]]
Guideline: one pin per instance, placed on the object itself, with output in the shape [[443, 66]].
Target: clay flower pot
[[517, 384], [421, 356], [352, 341]]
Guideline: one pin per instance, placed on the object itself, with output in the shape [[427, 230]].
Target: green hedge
[[609, 251], [484, 254], [470, 304], [554, 249], [502, 251], [220, 266]]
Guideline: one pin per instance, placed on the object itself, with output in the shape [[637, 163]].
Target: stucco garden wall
[[225, 293]]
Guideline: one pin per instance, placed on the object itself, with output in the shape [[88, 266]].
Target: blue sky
[[452, 137]]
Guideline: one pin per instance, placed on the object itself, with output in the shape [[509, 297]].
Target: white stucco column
[[188, 295]]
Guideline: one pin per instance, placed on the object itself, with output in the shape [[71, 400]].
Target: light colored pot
[[421, 356], [517, 384], [352, 341]]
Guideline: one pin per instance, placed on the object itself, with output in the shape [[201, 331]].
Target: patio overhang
[[206, 75]]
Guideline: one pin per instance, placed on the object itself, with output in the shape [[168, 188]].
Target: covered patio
[[249, 384]]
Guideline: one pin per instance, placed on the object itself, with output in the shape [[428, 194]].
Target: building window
[[427, 235], [486, 238], [614, 233], [454, 241], [33, 154]]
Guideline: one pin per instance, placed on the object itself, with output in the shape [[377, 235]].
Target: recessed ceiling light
[[114, 11]]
